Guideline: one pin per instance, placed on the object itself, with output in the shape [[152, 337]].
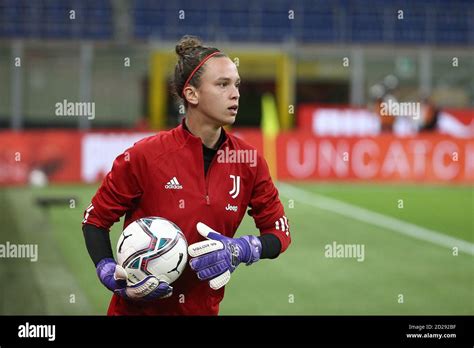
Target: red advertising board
[[55, 153], [425, 158], [71, 156]]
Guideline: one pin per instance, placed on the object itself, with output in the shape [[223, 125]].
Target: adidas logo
[[173, 184]]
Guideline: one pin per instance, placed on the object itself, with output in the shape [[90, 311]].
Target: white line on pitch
[[374, 218]]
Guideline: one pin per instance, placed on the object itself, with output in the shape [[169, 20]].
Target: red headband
[[196, 69]]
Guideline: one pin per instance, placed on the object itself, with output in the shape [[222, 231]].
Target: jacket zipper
[[208, 201]]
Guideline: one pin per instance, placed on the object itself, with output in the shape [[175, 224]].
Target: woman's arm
[[271, 246], [268, 213], [97, 243]]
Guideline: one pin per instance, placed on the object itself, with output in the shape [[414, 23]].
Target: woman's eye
[[222, 84]]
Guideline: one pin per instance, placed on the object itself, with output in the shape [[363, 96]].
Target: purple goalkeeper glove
[[114, 277], [218, 256]]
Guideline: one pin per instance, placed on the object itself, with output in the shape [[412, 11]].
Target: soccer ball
[[152, 246]]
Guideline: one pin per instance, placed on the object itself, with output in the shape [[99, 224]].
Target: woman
[[182, 175]]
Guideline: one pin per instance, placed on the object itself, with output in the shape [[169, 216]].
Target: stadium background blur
[[314, 77]]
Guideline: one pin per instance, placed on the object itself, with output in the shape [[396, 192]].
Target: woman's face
[[218, 94]]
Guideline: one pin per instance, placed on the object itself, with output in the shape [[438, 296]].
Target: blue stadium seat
[[50, 19], [412, 28], [452, 26], [339, 21], [362, 21]]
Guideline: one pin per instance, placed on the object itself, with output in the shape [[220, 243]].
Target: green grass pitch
[[430, 278]]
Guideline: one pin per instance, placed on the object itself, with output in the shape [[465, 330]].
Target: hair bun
[[186, 44]]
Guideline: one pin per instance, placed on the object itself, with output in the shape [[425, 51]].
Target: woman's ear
[[191, 95]]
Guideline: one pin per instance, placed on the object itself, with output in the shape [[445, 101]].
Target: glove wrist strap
[[102, 263], [255, 249]]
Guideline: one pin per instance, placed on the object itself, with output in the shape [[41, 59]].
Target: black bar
[[288, 330]]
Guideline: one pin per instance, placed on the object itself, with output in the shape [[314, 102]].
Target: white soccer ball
[[152, 246]]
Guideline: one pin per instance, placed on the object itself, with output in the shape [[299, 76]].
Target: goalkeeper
[[181, 175]]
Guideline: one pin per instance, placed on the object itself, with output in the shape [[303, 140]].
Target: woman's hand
[[114, 277], [218, 256]]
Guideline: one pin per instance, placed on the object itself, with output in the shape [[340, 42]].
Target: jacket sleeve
[[118, 193], [266, 208]]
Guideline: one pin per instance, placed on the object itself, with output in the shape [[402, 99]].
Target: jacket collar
[[184, 136]]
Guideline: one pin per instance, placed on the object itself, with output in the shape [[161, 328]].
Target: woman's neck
[[208, 132]]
